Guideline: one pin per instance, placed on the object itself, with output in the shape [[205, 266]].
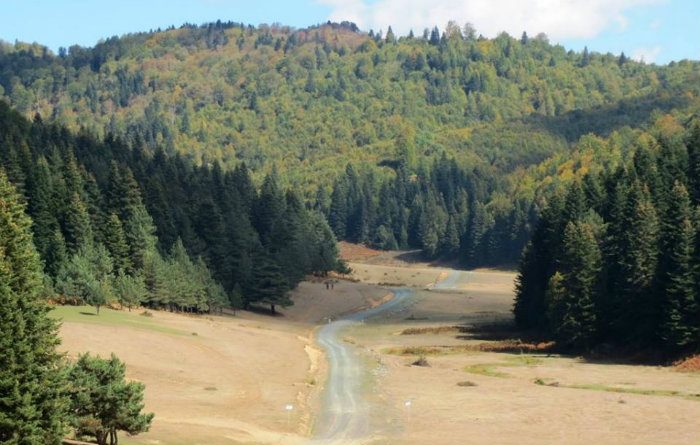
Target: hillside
[[448, 142], [308, 101]]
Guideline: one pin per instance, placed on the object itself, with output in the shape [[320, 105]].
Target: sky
[[657, 31]]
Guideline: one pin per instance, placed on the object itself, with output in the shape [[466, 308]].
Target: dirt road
[[453, 280], [345, 416]]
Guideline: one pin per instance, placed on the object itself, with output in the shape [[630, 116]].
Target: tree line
[[616, 259], [113, 224], [441, 208]]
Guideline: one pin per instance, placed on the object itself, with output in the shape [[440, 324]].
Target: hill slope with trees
[[615, 258], [470, 129], [112, 223]]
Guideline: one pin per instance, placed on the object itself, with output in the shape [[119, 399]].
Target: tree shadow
[[505, 337], [603, 120], [88, 313], [411, 256], [264, 310], [498, 331]]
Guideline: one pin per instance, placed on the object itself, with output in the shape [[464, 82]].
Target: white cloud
[[646, 54], [559, 19]]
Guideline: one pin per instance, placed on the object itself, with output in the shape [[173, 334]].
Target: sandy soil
[[572, 404]]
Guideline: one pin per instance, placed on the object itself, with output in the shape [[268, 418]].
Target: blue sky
[[657, 30]]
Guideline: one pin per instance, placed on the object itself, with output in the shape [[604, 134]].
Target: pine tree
[[638, 262], [325, 257], [572, 312], [338, 213], [103, 403], [268, 209], [32, 407], [140, 234], [41, 206], [129, 290], [472, 242], [677, 280], [115, 242], [537, 266], [55, 256], [270, 286], [576, 205], [88, 276], [77, 226], [693, 146], [585, 57], [390, 37]]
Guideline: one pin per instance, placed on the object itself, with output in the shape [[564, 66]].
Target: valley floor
[[226, 380]]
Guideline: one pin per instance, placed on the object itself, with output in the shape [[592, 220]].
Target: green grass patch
[[109, 317], [491, 369], [487, 369], [417, 350], [617, 389], [524, 360]]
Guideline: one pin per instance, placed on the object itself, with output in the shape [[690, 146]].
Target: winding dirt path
[[345, 416]]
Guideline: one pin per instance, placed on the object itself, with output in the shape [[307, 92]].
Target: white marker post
[[407, 404], [289, 408]]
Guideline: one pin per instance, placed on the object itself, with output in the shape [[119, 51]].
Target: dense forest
[[439, 209], [113, 224], [615, 259], [402, 112], [42, 395]]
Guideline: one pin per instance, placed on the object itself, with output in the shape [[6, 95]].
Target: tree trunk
[[98, 309], [272, 308]]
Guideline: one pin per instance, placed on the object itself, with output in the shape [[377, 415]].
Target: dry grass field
[[469, 396], [221, 379], [225, 380]]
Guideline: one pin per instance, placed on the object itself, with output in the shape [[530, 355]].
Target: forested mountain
[[113, 223], [471, 130], [616, 258], [311, 100]]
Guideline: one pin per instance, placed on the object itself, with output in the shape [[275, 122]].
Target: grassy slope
[[135, 319]]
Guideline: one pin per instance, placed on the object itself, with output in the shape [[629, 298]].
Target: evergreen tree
[[270, 285], [88, 276], [77, 229], [638, 261], [32, 406], [390, 37], [537, 267], [693, 146], [573, 292], [140, 234], [103, 403], [129, 290], [676, 275], [338, 213], [116, 245]]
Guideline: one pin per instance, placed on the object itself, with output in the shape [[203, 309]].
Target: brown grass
[[356, 252], [432, 330], [507, 346], [688, 364]]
